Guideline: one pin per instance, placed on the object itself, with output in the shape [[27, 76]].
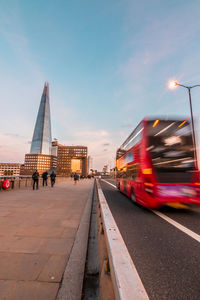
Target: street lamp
[[173, 84]]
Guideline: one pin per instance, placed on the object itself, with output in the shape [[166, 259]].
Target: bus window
[[171, 150], [132, 172], [134, 138]]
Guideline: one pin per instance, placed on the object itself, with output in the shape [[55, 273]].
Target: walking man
[[53, 178], [35, 177], [45, 177], [76, 177]]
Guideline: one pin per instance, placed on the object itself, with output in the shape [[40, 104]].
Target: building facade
[[70, 159], [40, 162], [40, 157], [41, 141], [10, 169], [90, 164]]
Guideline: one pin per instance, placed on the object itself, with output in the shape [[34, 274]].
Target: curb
[[71, 285]]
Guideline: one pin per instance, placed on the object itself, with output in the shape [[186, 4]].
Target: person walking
[[35, 177], [45, 177], [53, 178], [76, 177]]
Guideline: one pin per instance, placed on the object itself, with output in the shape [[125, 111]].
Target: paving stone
[[25, 244], [57, 246], [37, 232], [41, 231], [69, 232], [19, 266], [28, 290], [54, 269]]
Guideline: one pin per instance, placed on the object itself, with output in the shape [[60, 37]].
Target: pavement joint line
[[125, 278], [182, 228], [72, 282]]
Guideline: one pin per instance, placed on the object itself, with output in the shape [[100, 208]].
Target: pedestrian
[[35, 177], [45, 177], [76, 177], [53, 178]]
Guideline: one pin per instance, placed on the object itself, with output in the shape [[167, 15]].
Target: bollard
[[12, 184]]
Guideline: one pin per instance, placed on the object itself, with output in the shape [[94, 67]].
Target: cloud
[[94, 140], [92, 134], [13, 135], [13, 148], [160, 48], [128, 125]]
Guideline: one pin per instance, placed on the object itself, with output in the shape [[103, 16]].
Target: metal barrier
[[18, 182], [118, 276]]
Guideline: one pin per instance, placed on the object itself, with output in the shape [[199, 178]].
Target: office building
[[70, 159], [40, 156], [41, 141], [40, 162], [90, 164], [10, 169]]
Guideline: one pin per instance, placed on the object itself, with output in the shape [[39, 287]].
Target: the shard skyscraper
[[41, 142]]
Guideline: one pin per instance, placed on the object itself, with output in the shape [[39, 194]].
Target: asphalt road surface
[[166, 258]]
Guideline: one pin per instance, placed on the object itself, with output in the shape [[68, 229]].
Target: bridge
[[89, 241]]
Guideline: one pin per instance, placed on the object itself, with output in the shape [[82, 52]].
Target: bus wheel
[[133, 195]]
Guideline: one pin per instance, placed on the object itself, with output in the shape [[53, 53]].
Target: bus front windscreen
[[171, 148]]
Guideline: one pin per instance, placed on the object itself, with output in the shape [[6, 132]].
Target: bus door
[[125, 186], [132, 174]]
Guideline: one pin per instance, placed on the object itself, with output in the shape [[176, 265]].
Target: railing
[[22, 181], [118, 276], [17, 182]]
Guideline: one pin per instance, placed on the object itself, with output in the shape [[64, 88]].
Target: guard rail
[[118, 276]]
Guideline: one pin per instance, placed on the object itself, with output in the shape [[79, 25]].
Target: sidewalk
[[37, 232]]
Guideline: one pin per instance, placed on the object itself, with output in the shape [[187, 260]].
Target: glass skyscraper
[[41, 142]]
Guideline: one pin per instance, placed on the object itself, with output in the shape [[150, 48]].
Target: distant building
[[41, 141], [40, 156], [70, 159], [90, 164], [10, 169], [40, 162], [105, 169]]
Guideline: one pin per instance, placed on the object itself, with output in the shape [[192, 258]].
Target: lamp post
[[174, 84]]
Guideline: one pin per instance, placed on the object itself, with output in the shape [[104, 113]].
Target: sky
[[108, 64]]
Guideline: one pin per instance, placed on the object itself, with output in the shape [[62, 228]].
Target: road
[[166, 258]]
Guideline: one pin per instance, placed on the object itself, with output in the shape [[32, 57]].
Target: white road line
[[179, 226], [184, 229], [109, 183]]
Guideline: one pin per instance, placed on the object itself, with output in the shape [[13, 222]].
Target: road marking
[[179, 226], [109, 183], [171, 221]]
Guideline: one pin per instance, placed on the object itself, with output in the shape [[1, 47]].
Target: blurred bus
[[155, 164]]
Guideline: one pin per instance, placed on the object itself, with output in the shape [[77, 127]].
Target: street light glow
[[172, 84], [155, 123]]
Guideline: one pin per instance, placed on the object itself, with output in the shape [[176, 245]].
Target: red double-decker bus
[[156, 166]]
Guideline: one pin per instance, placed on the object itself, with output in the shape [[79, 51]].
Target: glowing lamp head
[[155, 123], [172, 84]]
